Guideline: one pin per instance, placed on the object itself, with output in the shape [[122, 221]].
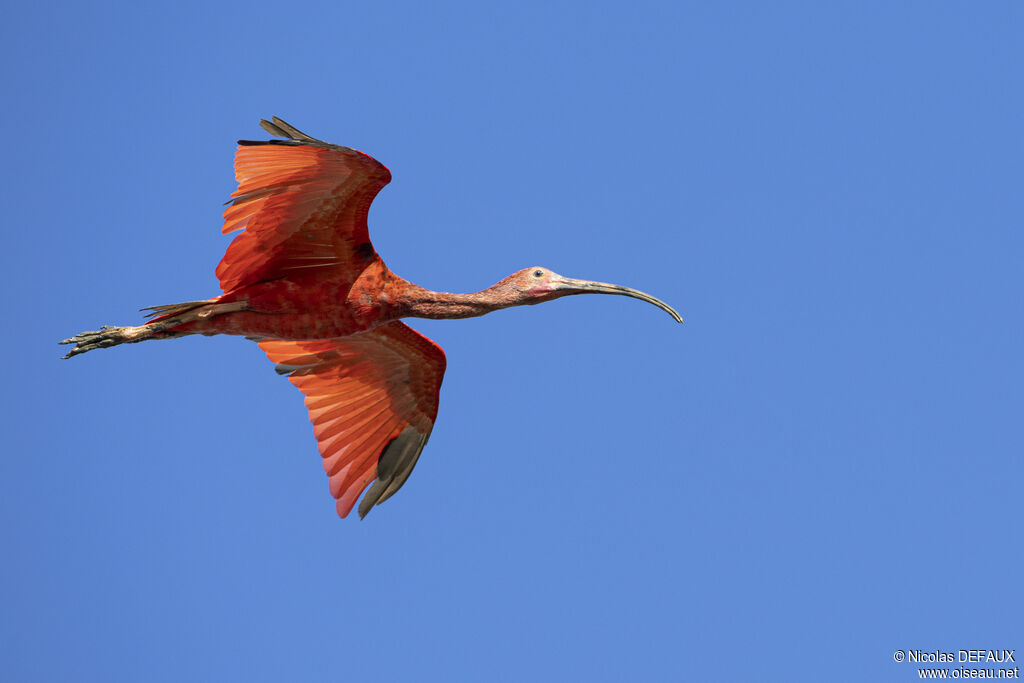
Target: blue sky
[[821, 467]]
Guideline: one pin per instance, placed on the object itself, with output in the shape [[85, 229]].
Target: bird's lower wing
[[372, 398]]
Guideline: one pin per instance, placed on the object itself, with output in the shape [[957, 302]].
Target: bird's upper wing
[[372, 399], [303, 204]]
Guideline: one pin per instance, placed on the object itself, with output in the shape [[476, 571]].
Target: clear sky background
[[821, 467]]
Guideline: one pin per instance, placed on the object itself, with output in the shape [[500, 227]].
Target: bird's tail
[[159, 313], [164, 319]]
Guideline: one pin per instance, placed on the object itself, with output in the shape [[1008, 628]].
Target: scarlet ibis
[[303, 280]]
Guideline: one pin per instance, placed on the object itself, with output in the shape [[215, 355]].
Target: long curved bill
[[572, 286]]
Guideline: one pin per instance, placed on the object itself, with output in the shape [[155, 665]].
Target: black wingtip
[[273, 129], [292, 137], [282, 129]]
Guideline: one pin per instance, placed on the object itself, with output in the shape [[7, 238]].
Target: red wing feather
[[302, 204], [372, 399]]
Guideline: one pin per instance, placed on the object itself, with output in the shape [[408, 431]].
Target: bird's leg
[[161, 328]]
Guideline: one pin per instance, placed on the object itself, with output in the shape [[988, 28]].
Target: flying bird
[[303, 280]]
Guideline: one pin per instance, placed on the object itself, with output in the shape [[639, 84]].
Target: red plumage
[[303, 279]]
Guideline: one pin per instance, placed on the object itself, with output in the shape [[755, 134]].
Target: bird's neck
[[417, 302]]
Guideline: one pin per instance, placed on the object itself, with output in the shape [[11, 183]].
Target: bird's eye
[[538, 273]]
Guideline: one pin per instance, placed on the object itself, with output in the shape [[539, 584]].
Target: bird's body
[[304, 280], [308, 307]]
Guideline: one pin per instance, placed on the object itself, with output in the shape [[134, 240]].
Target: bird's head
[[538, 284]]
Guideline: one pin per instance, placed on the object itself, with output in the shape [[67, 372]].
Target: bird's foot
[[104, 337]]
